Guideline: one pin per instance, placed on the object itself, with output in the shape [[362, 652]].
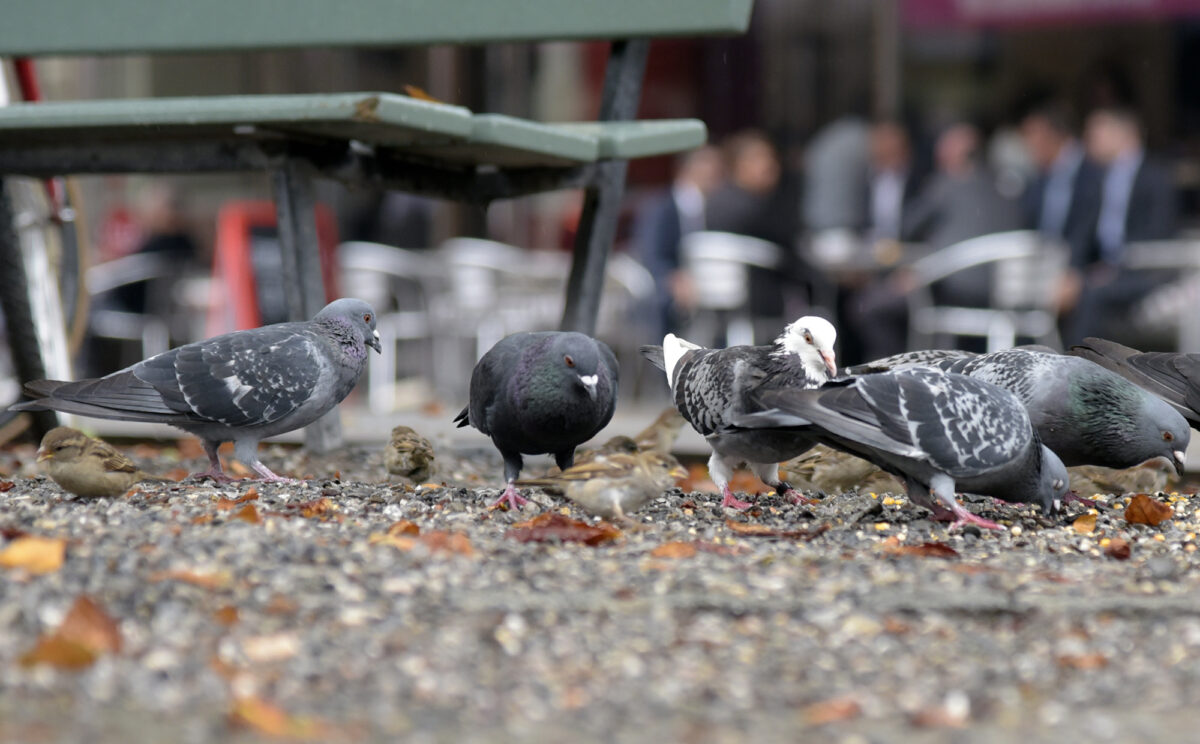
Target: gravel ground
[[860, 620]]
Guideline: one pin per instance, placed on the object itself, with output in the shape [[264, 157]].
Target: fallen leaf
[[1083, 662], [85, 633], [412, 91], [239, 469], [227, 615], [176, 474], [555, 526], [924, 550], [938, 716], [271, 720], [248, 514], [1118, 548], [832, 711], [404, 527], [315, 508], [35, 554], [12, 533], [226, 504], [747, 529], [674, 550], [434, 541], [6, 486], [1144, 510], [217, 580], [1085, 524], [202, 519], [719, 549]]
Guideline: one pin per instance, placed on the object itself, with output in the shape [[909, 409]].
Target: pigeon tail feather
[[654, 355]]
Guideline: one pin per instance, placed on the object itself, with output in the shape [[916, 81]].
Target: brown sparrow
[[612, 485], [409, 455], [85, 466]]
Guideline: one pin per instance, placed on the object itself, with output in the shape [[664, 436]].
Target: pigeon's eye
[[1168, 436], [569, 360], [807, 337], [366, 317]]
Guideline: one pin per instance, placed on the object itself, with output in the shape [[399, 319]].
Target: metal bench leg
[[602, 200], [18, 311], [303, 286]]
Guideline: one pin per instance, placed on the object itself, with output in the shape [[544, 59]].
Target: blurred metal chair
[[150, 329], [1170, 308], [399, 284], [720, 264], [1025, 272]]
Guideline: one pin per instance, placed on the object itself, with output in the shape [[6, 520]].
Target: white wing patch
[[236, 388]]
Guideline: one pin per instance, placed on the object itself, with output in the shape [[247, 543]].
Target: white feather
[[673, 350]]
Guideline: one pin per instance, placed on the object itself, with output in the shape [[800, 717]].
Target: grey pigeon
[[541, 392], [242, 387], [939, 431], [1172, 376], [711, 386], [1086, 414]]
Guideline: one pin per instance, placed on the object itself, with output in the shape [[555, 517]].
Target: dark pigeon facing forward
[[242, 387], [1085, 413], [1172, 376], [711, 386], [937, 430], [538, 393]]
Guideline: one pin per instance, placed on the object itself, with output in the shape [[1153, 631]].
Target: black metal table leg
[[18, 313], [304, 288], [602, 200]]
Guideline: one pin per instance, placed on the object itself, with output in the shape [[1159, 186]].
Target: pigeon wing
[[710, 383], [1173, 377], [920, 358]]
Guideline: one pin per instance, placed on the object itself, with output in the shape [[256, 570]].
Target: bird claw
[[1076, 498], [959, 517], [510, 498], [216, 475], [798, 498], [733, 502]]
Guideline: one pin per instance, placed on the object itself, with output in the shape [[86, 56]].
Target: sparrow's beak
[[589, 384], [44, 455], [1180, 462], [678, 472], [374, 342], [830, 364]]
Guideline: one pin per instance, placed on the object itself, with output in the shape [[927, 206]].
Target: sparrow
[[611, 486], [87, 467], [619, 444], [1151, 476], [661, 434], [409, 455], [832, 471]]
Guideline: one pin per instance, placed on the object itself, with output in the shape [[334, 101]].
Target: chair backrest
[[720, 262], [136, 267], [1025, 266]]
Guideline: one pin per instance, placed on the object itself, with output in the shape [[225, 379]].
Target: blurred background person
[[1138, 202], [893, 179], [661, 225], [835, 175]]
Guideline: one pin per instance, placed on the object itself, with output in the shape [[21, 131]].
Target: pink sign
[[959, 13]]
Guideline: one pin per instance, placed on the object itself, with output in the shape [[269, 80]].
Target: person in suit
[[893, 179], [661, 225], [1138, 201]]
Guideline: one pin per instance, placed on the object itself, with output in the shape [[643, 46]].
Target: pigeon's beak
[[43, 455], [830, 364], [1180, 462], [589, 384], [374, 342]]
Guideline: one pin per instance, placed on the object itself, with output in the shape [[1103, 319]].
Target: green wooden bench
[[383, 139]]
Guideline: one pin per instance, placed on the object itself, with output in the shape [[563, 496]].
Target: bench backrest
[[69, 27]]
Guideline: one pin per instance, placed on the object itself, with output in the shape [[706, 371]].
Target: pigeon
[[833, 471], [1172, 376], [939, 431], [612, 486], [1086, 414], [711, 386], [408, 455], [88, 467], [541, 392], [242, 387]]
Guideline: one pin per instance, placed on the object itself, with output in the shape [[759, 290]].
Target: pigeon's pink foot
[[511, 498], [963, 517], [1074, 497], [264, 473], [728, 499], [798, 498]]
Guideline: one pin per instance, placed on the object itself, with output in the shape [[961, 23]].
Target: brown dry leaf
[[227, 615], [315, 508], [6, 486], [239, 469], [12, 533], [924, 550], [214, 581], [91, 627], [747, 529], [176, 474], [1083, 662], [248, 513], [1144, 510], [555, 526], [35, 554], [271, 720], [938, 716], [719, 549], [1085, 524], [226, 504], [203, 519], [403, 527], [447, 542], [832, 711], [1118, 548], [413, 91], [674, 549], [58, 652]]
